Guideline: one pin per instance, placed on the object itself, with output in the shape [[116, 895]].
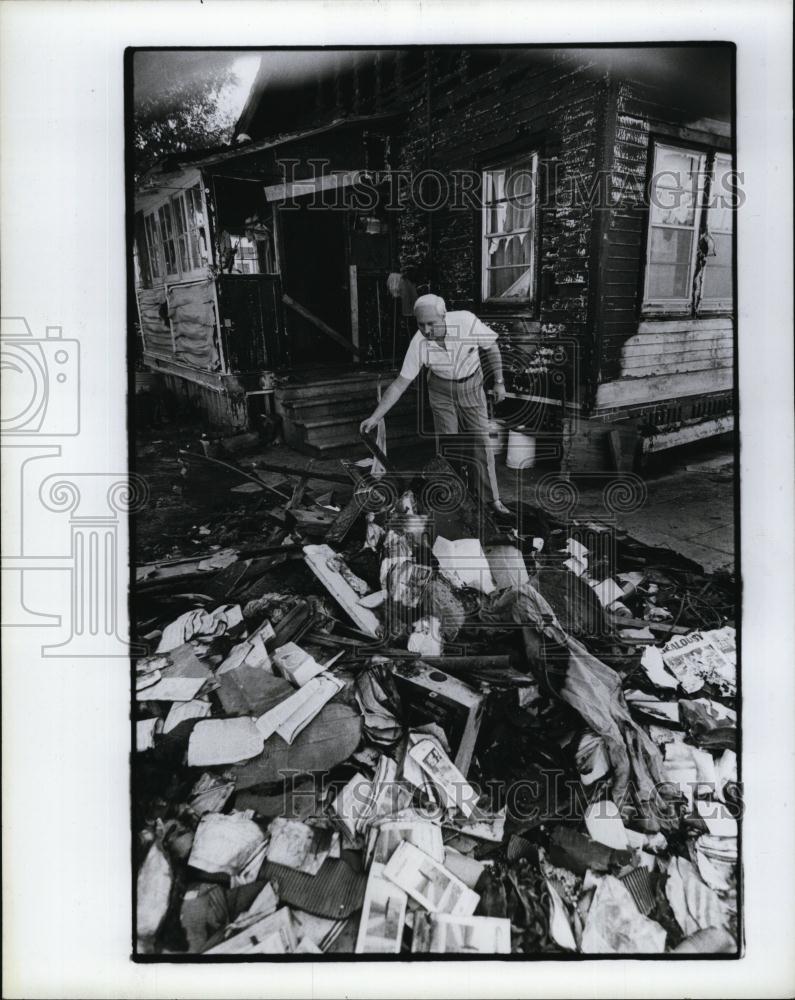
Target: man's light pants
[[460, 408]]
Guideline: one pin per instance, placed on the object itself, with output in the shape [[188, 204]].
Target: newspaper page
[[383, 915], [429, 882], [443, 933]]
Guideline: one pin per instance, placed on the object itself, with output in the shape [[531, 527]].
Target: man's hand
[[368, 425], [499, 392]]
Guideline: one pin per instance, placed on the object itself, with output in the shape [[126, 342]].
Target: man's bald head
[[429, 305], [430, 311]]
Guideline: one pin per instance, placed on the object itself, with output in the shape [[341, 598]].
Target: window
[[689, 250], [716, 290], [153, 245], [176, 236], [167, 240], [509, 230]]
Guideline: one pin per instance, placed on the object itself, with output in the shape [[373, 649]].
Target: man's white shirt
[[456, 356]]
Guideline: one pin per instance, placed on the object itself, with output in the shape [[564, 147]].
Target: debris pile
[[397, 727]]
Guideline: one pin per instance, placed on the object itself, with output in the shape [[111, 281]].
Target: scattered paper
[[223, 741], [390, 834], [653, 666], [210, 794], [459, 794], [718, 819], [272, 935], [224, 842], [614, 925], [296, 664], [441, 933], [145, 731], [604, 824], [696, 659], [352, 803], [608, 592], [153, 892], [383, 915], [295, 713], [429, 883], [463, 562], [297, 845], [185, 710]]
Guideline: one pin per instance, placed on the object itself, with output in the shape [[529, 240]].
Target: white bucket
[[521, 451]]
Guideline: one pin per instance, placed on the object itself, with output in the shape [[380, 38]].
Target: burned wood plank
[[317, 557], [323, 327]]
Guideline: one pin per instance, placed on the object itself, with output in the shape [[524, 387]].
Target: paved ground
[[688, 505]]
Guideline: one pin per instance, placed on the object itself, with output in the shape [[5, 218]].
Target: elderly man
[[447, 344]]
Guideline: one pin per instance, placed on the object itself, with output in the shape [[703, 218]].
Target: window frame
[[513, 160], [682, 305], [178, 206], [717, 304], [694, 304]]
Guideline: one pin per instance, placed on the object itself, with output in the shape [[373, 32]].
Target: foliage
[[180, 103]]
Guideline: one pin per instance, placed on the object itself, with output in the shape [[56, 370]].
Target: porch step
[[325, 408], [322, 415], [329, 384], [396, 441]]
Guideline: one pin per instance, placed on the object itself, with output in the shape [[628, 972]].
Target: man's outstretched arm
[[393, 393]]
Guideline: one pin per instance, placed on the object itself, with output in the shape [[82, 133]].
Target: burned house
[[579, 201]]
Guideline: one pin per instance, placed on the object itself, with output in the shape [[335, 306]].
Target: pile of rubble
[[399, 727]]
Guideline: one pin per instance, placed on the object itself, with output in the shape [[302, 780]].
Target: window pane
[[718, 270], [497, 216], [719, 216], [179, 214], [506, 217], [153, 244], [675, 187], [668, 281], [520, 184], [510, 250], [184, 256], [508, 228], [495, 185], [509, 282], [165, 222], [669, 264], [671, 246]]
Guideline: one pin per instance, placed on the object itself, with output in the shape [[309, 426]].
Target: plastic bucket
[[521, 451]]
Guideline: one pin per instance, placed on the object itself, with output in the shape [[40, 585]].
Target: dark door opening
[[315, 274]]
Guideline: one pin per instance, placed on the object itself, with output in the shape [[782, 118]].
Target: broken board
[[317, 558]]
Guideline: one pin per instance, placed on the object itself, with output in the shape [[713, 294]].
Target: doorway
[[315, 277]]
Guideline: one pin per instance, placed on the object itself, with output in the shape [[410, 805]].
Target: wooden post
[[354, 287]]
